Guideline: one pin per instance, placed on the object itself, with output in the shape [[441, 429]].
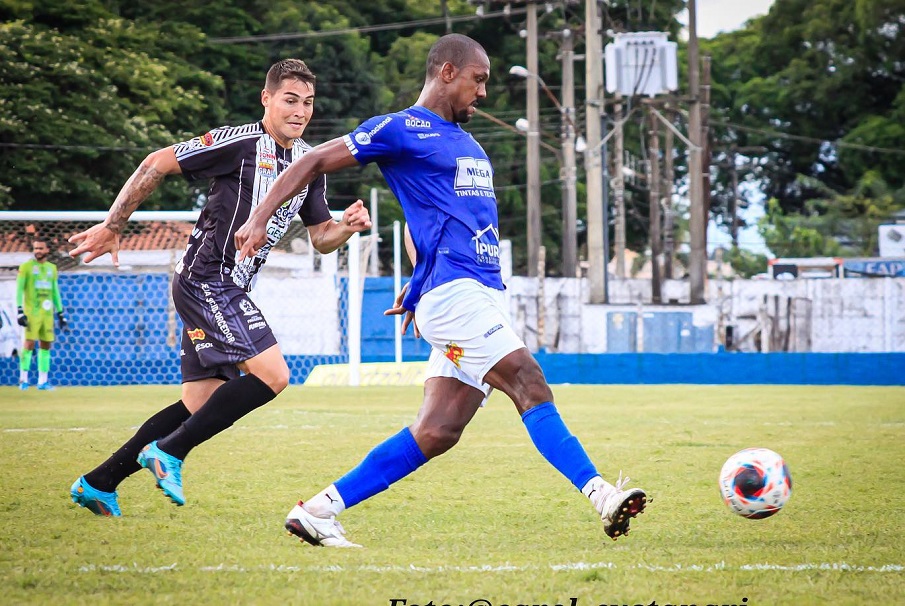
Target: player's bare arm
[[326, 158], [397, 308], [104, 237], [330, 235]]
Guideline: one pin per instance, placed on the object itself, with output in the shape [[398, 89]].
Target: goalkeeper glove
[[21, 318], [62, 319]]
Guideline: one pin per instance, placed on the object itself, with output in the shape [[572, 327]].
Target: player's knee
[[276, 378], [436, 439]]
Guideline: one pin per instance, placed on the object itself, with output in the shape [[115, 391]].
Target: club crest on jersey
[[196, 334], [206, 140], [454, 353], [474, 177]]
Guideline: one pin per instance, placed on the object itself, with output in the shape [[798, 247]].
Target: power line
[[837, 142], [366, 29]]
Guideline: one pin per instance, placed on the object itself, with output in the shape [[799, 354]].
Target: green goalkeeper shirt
[[37, 288]]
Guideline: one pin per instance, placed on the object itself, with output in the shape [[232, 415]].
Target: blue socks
[[390, 461], [554, 441]]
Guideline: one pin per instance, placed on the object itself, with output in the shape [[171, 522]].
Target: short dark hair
[[454, 48], [285, 69], [43, 241]]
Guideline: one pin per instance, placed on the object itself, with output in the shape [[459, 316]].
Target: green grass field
[[488, 521]]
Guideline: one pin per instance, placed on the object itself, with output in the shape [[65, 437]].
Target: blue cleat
[[46, 387], [23, 385], [167, 470], [96, 501]]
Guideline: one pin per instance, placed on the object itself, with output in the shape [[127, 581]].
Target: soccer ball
[[755, 483]]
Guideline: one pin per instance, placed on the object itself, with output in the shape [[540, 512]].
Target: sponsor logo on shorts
[[248, 309], [454, 353], [201, 346], [219, 320], [196, 334], [492, 330]]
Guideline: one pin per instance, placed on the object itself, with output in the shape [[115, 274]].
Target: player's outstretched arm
[[330, 235], [326, 158], [104, 237], [397, 308]]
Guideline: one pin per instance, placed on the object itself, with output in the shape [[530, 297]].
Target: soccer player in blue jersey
[[223, 330], [444, 182]]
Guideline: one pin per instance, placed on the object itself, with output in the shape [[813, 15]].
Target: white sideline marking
[[719, 566], [240, 428], [30, 429]]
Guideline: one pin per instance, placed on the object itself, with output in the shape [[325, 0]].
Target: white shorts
[[467, 325]]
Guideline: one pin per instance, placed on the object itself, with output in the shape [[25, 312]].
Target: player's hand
[[398, 309], [61, 318], [96, 241], [21, 318], [357, 217], [250, 238]]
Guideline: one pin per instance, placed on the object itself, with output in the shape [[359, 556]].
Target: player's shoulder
[[220, 137]]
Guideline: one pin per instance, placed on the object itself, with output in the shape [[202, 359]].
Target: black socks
[[121, 464], [229, 403]]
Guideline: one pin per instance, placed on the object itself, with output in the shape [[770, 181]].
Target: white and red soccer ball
[[755, 483]]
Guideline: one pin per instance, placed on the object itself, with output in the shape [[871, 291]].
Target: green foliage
[[85, 103], [490, 519], [828, 73], [745, 263]]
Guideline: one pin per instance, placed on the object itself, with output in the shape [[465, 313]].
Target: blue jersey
[[444, 181]]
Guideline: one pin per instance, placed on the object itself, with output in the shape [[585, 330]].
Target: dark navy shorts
[[221, 328]]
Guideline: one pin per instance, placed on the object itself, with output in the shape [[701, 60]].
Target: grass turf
[[491, 520]]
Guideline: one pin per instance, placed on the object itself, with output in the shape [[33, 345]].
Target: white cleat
[[617, 507], [322, 532]]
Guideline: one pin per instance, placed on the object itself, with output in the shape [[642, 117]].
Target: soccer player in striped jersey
[[223, 330], [444, 181]]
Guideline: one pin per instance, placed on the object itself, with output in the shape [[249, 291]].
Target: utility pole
[[533, 164], [569, 173], [705, 144], [697, 227], [653, 181], [619, 190], [594, 168], [668, 216]]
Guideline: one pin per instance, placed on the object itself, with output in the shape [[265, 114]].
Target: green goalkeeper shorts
[[40, 326]]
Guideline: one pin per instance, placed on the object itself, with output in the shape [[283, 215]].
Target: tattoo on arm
[[140, 185]]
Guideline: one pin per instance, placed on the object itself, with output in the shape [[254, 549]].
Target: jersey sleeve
[[315, 210], [55, 293], [212, 154], [378, 139], [20, 285]]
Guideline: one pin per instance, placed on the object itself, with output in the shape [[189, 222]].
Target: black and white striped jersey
[[241, 162]]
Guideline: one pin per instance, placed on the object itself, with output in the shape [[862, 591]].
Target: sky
[[715, 16]]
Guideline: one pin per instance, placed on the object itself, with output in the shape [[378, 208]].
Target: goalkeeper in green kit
[[37, 297]]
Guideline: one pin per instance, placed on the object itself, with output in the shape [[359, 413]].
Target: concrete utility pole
[[619, 190], [668, 215], [697, 227], [569, 173], [533, 165], [593, 166], [653, 181]]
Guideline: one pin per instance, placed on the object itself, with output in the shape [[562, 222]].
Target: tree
[[88, 95]]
